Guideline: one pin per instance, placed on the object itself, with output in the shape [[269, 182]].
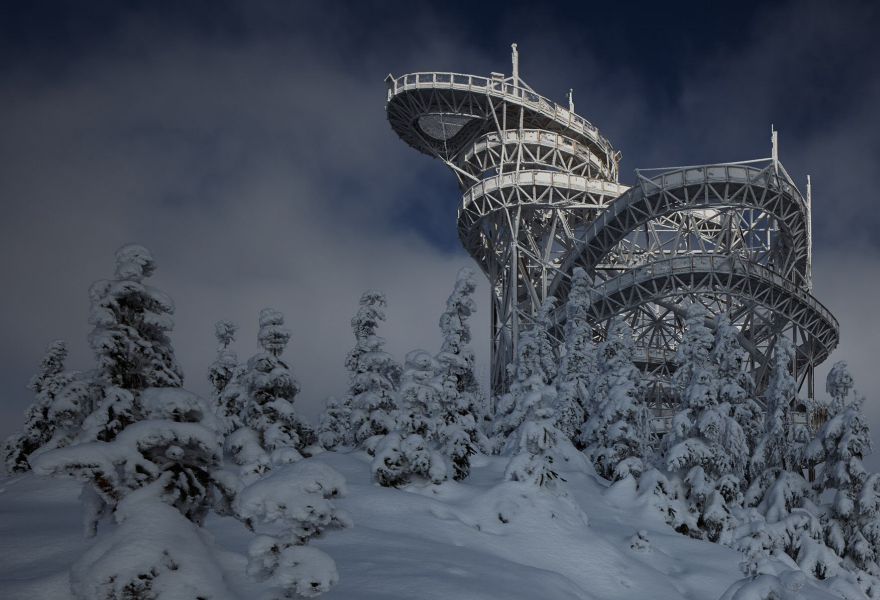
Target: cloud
[[247, 147]]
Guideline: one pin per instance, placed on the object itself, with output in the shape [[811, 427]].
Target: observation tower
[[540, 197]]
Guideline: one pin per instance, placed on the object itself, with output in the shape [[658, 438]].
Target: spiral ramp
[[540, 197]]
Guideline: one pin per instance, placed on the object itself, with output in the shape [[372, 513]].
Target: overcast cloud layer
[[247, 147]]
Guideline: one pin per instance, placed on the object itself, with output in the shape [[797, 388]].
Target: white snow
[[481, 539]]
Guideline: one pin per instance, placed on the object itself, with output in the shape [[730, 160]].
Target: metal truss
[[540, 196]]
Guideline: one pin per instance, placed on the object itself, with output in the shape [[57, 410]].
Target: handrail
[[540, 178], [728, 263], [496, 87]]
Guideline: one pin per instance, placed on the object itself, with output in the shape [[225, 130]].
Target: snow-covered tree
[[532, 370], [412, 448], [536, 442], [787, 517], [297, 496], [129, 340], [399, 456], [616, 433], [692, 353], [222, 371], [420, 411], [735, 386], [374, 376], [131, 320], [333, 422], [271, 431], [838, 385], [40, 416], [706, 446], [460, 401], [839, 446], [578, 365], [175, 451], [782, 442]]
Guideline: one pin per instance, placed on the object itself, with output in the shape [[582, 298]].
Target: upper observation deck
[[442, 114]]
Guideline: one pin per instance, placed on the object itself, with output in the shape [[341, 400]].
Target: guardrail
[[722, 264], [541, 178], [498, 88]]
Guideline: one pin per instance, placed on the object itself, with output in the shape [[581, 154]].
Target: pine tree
[[578, 365], [333, 423], [532, 370], [271, 428], [131, 320], [420, 411], [41, 416], [537, 442], [129, 340], [374, 376], [706, 446], [736, 388], [222, 371], [158, 475], [616, 433], [839, 446], [838, 385], [784, 500], [782, 441], [459, 394]]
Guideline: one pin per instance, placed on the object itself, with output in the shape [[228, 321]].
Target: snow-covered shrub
[[617, 428], [174, 452], [399, 456], [155, 553], [333, 422], [296, 496], [578, 366], [41, 416], [374, 376], [767, 586], [532, 370], [272, 432]]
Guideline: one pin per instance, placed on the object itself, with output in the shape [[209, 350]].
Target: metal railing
[[500, 89]]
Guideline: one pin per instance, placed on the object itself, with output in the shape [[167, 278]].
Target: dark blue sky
[[245, 143]]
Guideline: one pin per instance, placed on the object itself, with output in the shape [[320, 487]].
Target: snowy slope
[[424, 542]]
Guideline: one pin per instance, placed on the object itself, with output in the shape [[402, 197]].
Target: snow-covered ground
[[482, 539]]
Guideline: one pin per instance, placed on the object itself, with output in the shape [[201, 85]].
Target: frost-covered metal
[[540, 196]]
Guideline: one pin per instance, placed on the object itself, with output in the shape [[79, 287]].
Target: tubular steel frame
[[540, 196]]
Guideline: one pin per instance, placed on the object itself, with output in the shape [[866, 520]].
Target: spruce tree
[[532, 370], [578, 365], [42, 415], [617, 430], [271, 431], [736, 388], [222, 371], [706, 446], [839, 447], [459, 396], [374, 376]]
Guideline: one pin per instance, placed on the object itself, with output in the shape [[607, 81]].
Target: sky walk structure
[[541, 196]]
